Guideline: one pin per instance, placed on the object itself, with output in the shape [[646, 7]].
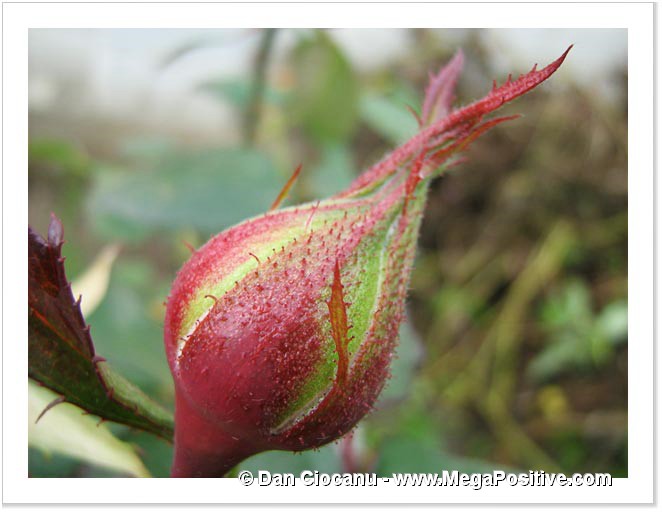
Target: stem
[[348, 455], [259, 72], [203, 449]]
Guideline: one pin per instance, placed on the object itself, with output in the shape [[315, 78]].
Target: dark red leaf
[[61, 354]]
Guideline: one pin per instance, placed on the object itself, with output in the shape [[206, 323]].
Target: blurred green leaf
[[208, 190], [60, 155], [390, 119], [42, 464], [415, 444], [64, 429], [454, 305], [155, 453], [403, 454], [325, 459], [134, 345], [569, 447], [613, 321], [238, 92], [571, 306], [563, 353], [334, 172], [92, 284], [145, 150], [578, 339], [325, 99]]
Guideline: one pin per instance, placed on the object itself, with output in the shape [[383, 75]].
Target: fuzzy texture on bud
[[279, 331]]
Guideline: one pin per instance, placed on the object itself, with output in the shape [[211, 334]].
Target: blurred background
[[515, 352]]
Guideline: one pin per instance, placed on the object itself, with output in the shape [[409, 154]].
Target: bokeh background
[[515, 352]]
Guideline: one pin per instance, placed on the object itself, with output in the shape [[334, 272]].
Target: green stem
[[257, 91]]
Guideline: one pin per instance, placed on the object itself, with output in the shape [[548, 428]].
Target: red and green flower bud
[[279, 331]]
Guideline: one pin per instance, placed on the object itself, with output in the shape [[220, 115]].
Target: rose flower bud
[[279, 331]]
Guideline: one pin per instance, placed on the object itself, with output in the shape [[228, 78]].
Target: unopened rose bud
[[279, 331]]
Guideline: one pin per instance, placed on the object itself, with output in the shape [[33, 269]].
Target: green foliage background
[[515, 354]]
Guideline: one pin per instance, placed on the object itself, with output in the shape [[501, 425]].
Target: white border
[[17, 18]]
